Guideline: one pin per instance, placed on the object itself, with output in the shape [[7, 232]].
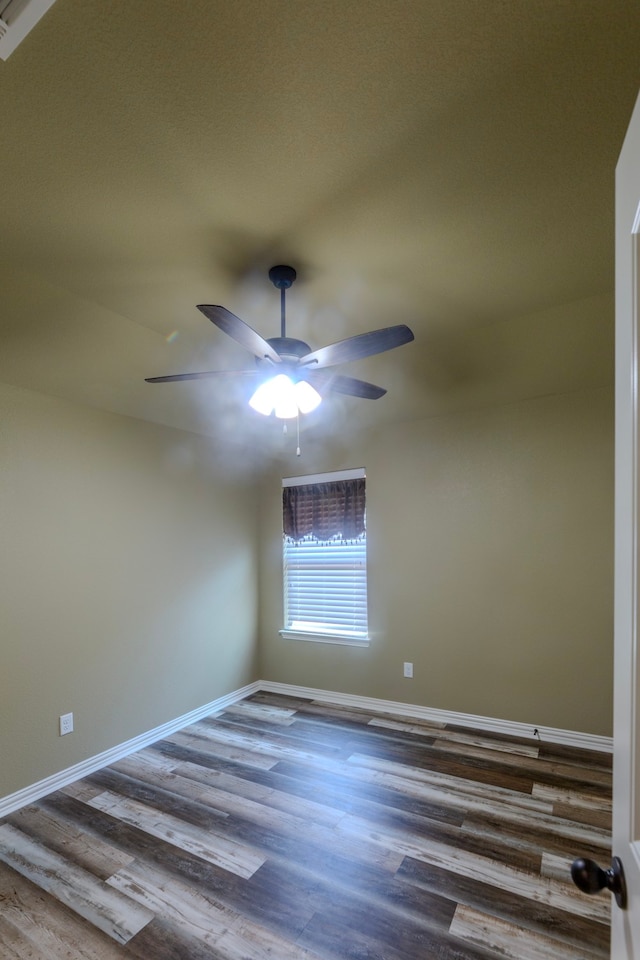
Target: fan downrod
[[282, 276]]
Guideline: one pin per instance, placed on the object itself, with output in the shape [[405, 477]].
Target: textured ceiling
[[444, 163]]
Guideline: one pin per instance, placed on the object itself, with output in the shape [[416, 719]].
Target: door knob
[[590, 878]]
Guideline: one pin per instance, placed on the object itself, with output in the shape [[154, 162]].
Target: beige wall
[[129, 573], [128, 582], [490, 547]]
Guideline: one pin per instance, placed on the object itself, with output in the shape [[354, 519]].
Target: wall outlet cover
[[66, 724]]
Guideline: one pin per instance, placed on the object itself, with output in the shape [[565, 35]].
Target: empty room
[[317, 472]]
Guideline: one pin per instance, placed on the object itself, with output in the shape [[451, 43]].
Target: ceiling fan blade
[[348, 385], [356, 348], [205, 375], [239, 331]]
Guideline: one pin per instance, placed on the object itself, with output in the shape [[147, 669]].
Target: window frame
[[292, 633]]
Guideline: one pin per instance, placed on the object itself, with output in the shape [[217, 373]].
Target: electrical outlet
[[408, 670], [66, 724]]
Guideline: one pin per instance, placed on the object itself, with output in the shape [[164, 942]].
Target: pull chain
[[298, 426]]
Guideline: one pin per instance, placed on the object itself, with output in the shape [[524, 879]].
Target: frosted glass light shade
[[284, 398], [306, 397], [268, 393]]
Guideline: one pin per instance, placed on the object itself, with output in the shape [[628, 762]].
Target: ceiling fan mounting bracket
[[282, 276]]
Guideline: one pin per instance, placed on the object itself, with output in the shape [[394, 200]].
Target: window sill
[[325, 638]]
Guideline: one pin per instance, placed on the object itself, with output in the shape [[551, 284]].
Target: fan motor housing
[[288, 348]]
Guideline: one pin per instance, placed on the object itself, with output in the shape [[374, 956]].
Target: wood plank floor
[[294, 830]]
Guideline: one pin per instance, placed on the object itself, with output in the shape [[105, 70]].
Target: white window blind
[[325, 588]]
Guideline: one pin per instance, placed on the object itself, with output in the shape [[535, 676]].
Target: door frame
[[625, 924]]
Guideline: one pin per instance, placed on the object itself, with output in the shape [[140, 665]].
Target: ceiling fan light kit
[[295, 382], [284, 398]]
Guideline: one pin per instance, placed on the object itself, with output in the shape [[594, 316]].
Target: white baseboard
[[21, 798], [570, 738], [37, 790]]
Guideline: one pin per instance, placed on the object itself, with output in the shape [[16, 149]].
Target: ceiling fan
[[292, 377]]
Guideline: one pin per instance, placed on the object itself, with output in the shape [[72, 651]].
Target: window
[[325, 558]]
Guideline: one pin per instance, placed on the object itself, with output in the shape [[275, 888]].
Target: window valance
[[324, 510]]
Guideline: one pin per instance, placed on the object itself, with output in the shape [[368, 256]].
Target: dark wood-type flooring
[[296, 830]]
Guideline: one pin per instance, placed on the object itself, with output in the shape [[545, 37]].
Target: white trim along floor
[[29, 794]]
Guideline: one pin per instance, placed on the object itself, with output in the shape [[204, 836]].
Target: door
[[625, 924]]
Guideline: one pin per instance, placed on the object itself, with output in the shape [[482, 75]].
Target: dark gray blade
[[356, 348], [239, 331], [348, 385], [205, 375]]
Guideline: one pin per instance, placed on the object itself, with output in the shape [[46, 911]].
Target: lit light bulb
[[307, 397], [262, 399], [282, 396], [285, 406]]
